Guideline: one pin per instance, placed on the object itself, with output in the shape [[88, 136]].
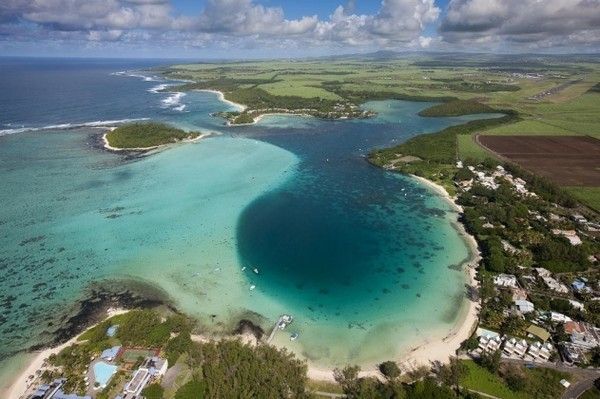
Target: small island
[[145, 136]]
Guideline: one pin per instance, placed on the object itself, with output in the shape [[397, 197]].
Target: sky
[[217, 29]]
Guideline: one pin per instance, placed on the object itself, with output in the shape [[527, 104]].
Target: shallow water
[[363, 259]]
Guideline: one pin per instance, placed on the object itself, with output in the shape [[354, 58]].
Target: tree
[[390, 370], [195, 389], [153, 391], [595, 356], [347, 378], [491, 361], [451, 373], [515, 378]]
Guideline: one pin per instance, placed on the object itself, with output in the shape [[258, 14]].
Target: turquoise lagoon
[[368, 262]]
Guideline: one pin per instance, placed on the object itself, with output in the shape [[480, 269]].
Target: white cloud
[[529, 23]]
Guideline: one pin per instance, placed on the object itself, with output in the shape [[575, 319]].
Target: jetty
[[283, 321]]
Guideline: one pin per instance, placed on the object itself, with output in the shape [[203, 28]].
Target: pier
[[283, 321]]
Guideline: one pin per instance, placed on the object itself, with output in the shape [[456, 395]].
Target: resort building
[[538, 332], [506, 280], [580, 285], [54, 391], [572, 353], [557, 317], [583, 334], [539, 352], [514, 348], [152, 368], [550, 281], [524, 306], [489, 344]]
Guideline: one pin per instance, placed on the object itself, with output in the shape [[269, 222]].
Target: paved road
[[577, 389]]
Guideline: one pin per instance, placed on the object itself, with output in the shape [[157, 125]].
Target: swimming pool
[[103, 372]]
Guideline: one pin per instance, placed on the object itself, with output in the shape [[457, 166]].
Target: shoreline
[[108, 147], [22, 381], [222, 98]]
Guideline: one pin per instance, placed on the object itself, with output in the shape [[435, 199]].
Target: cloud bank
[[246, 24]]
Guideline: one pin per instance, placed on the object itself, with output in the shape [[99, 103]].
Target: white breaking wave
[[159, 88], [137, 75], [71, 125], [174, 101]]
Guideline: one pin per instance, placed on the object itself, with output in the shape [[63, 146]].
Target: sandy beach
[[111, 148], [221, 96], [23, 382]]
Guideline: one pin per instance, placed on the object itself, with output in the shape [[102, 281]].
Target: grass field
[[588, 195], [481, 380]]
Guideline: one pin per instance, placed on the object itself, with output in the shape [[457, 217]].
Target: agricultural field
[[566, 160]]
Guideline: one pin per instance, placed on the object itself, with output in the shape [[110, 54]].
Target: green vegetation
[[457, 108], [590, 196], [514, 381], [195, 389], [153, 391], [146, 135], [592, 393]]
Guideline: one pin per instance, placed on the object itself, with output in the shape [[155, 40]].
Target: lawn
[[481, 380], [530, 127], [469, 149], [589, 196]]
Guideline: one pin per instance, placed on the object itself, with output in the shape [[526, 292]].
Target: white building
[[506, 280], [524, 306]]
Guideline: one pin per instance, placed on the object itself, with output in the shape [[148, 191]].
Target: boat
[[243, 268], [255, 270], [252, 287], [294, 336], [284, 320]]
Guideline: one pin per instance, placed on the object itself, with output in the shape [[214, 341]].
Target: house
[[570, 235], [565, 383], [579, 285], [152, 368], [577, 305], [54, 391], [540, 352], [489, 344], [519, 294], [583, 334], [524, 306], [505, 280], [578, 218], [557, 317], [572, 353], [539, 332], [550, 281], [110, 354], [514, 348]]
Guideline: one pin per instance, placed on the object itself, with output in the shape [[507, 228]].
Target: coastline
[[22, 381], [222, 98], [108, 147]]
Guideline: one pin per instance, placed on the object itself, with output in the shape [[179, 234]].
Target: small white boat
[[294, 336], [255, 270], [243, 268], [252, 287]]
